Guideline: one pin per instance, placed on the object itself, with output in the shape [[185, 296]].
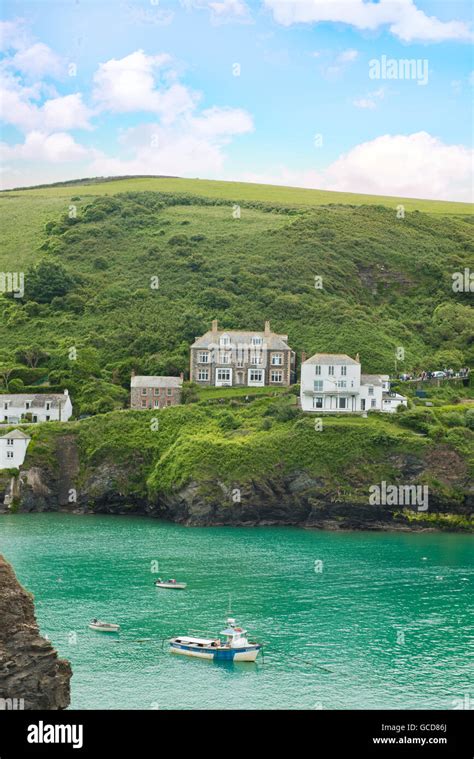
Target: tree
[[47, 280], [31, 355]]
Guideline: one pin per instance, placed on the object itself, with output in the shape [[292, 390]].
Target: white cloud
[[13, 35], [130, 84], [38, 146], [369, 101], [222, 11], [414, 166], [402, 17], [37, 61], [67, 112]]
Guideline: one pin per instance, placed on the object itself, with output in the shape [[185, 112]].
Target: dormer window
[[224, 340], [256, 340]]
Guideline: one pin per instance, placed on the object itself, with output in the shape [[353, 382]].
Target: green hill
[[125, 273]]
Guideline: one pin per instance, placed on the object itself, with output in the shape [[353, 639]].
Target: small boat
[[107, 627], [173, 584], [235, 647]]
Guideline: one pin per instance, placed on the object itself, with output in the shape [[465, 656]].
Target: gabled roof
[[37, 400], [371, 379], [239, 337], [331, 358], [16, 435], [157, 381]]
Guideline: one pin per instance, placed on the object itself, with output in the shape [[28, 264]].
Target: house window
[[343, 371], [276, 376], [342, 402], [372, 403], [225, 358], [318, 385], [48, 406], [317, 369], [144, 391], [256, 358], [48, 418], [277, 359], [330, 370], [223, 375], [10, 441], [225, 340], [203, 357], [5, 405], [317, 402], [9, 454], [27, 404], [169, 391], [203, 375], [144, 404], [256, 340], [157, 403], [371, 390], [256, 375], [157, 390], [342, 383]]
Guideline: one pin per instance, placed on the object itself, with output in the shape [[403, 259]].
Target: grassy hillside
[[131, 279]]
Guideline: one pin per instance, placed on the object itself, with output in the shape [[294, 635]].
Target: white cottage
[[332, 382], [42, 407], [13, 447]]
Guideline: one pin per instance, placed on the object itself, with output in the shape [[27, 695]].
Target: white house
[[333, 382], [391, 401], [42, 407], [13, 447]]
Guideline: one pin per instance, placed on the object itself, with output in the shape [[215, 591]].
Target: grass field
[[235, 191]]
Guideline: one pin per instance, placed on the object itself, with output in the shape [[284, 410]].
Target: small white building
[[41, 407], [13, 447], [391, 401], [332, 382]]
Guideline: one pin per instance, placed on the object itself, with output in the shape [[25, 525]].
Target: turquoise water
[[385, 624]]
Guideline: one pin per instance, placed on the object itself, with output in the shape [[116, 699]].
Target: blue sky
[[266, 90]]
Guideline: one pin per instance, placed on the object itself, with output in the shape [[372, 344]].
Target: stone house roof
[[36, 401], [144, 381], [331, 358], [16, 435]]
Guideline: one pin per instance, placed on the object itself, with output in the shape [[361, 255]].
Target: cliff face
[[29, 666], [295, 498]]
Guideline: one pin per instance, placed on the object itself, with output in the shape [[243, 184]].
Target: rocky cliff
[[32, 676]]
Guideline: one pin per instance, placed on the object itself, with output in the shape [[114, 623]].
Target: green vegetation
[[115, 282]]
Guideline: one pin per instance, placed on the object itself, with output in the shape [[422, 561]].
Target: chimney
[[215, 326], [357, 358], [181, 376], [133, 372], [66, 392], [267, 329], [303, 357]]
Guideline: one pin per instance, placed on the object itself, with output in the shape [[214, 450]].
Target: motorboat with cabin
[[97, 624], [235, 645], [170, 584]]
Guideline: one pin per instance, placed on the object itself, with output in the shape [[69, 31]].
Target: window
[[27, 404], [223, 375], [5, 405], [157, 403], [9, 454], [330, 371], [203, 375], [342, 383], [256, 340], [225, 340], [317, 369], [317, 402], [342, 402], [276, 376], [256, 358], [203, 357], [343, 371], [48, 418], [372, 403], [168, 403], [48, 406], [225, 358], [169, 391], [256, 375], [157, 391], [277, 359], [371, 390], [144, 404], [318, 385], [10, 441], [143, 390]]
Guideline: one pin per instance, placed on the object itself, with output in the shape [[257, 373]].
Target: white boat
[[234, 647], [108, 627], [172, 584]]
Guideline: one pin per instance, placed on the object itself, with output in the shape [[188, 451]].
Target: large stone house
[[41, 407], [333, 382], [155, 392], [13, 447], [242, 358]]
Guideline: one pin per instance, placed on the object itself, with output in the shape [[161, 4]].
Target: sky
[[371, 96]]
